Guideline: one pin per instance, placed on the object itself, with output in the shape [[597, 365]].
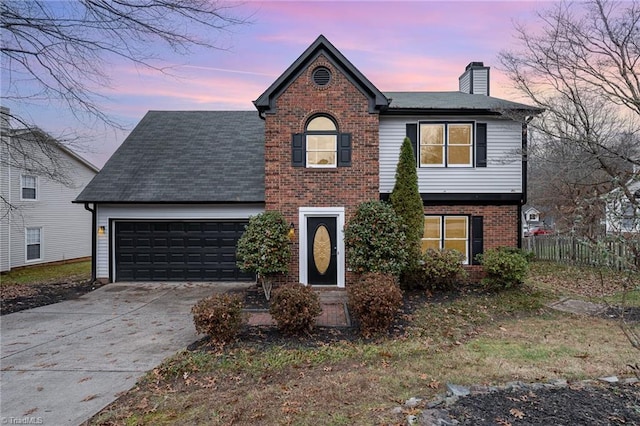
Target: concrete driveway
[[62, 363]]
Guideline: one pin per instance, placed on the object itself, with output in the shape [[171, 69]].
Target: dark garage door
[[178, 251]]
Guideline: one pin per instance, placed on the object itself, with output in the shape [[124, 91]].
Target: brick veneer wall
[[500, 227], [287, 188]]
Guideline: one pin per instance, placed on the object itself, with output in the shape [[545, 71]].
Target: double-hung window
[[28, 187], [447, 232], [33, 237], [322, 142], [446, 144]]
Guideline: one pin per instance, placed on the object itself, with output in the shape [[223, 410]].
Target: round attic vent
[[321, 76]]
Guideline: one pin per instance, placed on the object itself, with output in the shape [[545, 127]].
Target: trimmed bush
[[442, 269], [505, 267], [265, 248], [219, 316], [374, 300], [374, 240], [295, 308]]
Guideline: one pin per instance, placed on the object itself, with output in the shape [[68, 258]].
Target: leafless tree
[[582, 65], [59, 53]]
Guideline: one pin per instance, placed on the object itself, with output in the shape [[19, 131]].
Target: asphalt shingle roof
[[452, 101], [185, 157]]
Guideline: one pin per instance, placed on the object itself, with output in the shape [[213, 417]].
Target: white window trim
[[26, 245], [303, 214], [445, 159], [22, 186]]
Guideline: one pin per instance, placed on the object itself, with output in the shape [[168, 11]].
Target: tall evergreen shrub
[[407, 203]]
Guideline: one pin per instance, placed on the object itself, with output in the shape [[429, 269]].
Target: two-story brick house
[[173, 200]]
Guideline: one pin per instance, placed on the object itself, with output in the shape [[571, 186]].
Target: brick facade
[[288, 188], [500, 226]]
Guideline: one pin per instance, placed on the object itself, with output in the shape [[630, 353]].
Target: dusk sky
[[398, 46]]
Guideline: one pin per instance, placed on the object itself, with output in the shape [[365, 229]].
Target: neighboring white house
[[621, 215], [38, 180]]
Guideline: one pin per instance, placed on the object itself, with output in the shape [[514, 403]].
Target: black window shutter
[[344, 150], [412, 134], [477, 243], [297, 150], [481, 144]]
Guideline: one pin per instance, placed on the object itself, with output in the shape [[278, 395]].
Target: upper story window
[[533, 217], [446, 144], [321, 145], [322, 142], [28, 187]]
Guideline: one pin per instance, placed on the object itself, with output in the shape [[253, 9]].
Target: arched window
[[321, 145], [322, 142]]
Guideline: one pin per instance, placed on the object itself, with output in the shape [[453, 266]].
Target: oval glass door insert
[[322, 249]]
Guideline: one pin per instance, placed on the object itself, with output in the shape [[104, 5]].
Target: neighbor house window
[[447, 232], [446, 144], [34, 243], [28, 185], [321, 142], [630, 219], [533, 217]]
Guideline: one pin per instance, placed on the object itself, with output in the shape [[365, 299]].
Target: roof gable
[[36, 135], [321, 46]]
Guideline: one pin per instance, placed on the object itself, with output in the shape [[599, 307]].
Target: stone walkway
[[334, 311]]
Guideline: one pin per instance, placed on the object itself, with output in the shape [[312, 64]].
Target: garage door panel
[[177, 251]]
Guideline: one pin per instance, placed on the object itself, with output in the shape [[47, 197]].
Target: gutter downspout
[[93, 239]]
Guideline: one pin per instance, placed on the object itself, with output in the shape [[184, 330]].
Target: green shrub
[[505, 267], [407, 203], [219, 316], [442, 269], [295, 308], [374, 300], [265, 248], [374, 240]]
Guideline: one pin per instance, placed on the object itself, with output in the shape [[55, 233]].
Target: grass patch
[[580, 281], [48, 273]]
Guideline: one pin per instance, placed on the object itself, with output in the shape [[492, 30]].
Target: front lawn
[[470, 338], [43, 274]]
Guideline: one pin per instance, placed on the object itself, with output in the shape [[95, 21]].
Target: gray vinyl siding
[[4, 211], [480, 81], [503, 173], [465, 83], [106, 212], [65, 227]]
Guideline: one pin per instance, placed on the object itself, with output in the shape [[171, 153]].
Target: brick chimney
[[475, 79]]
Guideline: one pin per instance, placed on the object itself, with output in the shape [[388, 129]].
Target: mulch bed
[[598, 405], [15, 298]]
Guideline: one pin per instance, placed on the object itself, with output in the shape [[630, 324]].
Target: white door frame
[[303, 214]]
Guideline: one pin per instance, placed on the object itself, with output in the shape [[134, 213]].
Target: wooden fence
[[617, 254]]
